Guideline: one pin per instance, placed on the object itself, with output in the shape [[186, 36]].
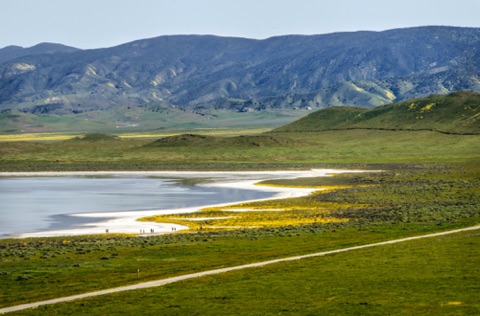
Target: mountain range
[[202, 75]]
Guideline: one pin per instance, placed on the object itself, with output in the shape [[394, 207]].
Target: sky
[[90, 24]]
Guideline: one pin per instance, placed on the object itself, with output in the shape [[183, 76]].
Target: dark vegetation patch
[[96, 137], [195, 140]]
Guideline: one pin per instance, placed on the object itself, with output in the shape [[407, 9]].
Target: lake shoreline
[[127, 222]]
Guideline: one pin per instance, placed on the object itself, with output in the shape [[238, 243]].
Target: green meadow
[[287, 150], [438, 276]]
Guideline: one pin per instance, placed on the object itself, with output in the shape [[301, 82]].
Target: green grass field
[[302, 150], [438, 276], [429, 182]]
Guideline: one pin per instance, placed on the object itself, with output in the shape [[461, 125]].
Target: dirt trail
[[217, 271]]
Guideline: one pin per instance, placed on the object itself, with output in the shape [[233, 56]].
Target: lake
[[39, 203]]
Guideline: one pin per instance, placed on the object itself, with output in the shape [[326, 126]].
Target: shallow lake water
[[29, 204]]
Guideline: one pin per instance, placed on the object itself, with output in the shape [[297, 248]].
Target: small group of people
[[142, 231]]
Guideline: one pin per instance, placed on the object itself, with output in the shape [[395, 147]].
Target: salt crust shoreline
[[127, 223]]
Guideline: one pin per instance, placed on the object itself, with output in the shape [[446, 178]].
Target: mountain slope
[[204, 74], [458, 112]]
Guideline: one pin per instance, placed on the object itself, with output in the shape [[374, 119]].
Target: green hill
[[457, 112]]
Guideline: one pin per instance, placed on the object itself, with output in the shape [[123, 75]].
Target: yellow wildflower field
[[262, 214]]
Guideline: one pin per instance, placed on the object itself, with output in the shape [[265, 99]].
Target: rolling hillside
[[457, 112]]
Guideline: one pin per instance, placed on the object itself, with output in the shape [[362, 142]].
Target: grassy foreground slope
[[428, 277]]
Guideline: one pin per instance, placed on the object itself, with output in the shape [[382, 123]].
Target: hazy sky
[[105, 23]]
